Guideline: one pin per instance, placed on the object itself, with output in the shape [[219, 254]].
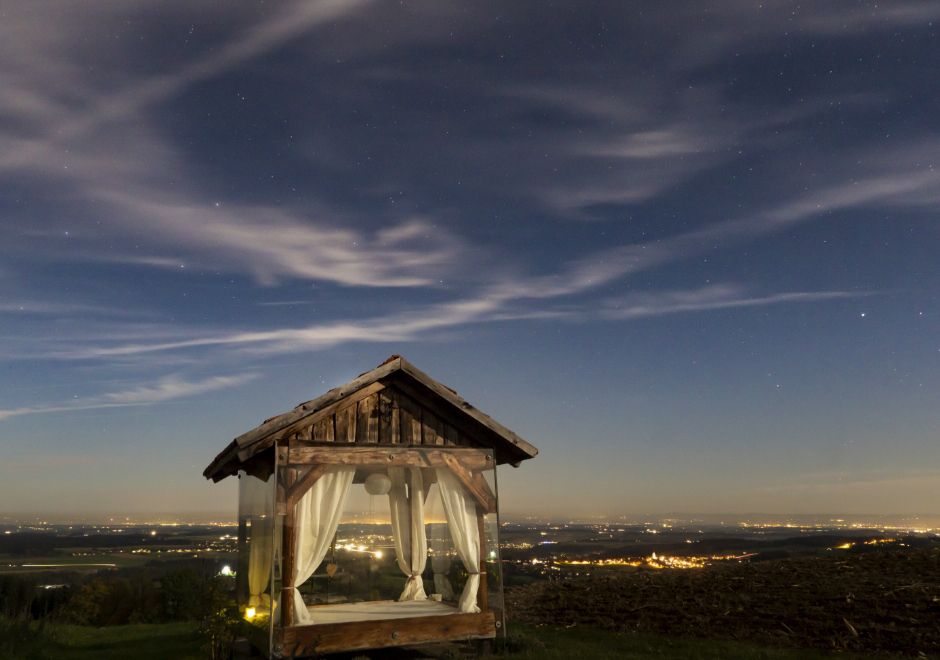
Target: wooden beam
[[483, 593], [475, 459], [305, 483], [359, 635], [287, 561], [480, 492]]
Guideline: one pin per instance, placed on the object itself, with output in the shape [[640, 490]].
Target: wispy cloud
[[44, 308], [121, 173], [504, 304], [273, 242], [710, 298], [290, 21], [166, 389]]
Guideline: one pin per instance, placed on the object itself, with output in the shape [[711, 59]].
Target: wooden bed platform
[[298, 641]]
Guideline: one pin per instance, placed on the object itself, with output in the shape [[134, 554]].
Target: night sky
[[690, 251]]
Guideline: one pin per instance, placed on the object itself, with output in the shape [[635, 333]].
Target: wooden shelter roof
[[400, 378]]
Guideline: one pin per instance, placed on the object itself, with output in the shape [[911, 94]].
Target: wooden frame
[[393, 415], [301, 467], [298, 641]]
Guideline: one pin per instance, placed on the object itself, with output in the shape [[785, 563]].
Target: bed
[[378, 610]]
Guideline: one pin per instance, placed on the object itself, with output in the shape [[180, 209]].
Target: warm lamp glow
[[249, 613], [378, 554]]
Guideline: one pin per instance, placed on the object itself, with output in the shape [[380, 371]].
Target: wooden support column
[[482, 594], [287, 559]]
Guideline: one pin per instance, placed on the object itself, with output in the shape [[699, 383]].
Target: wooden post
[[287, 558], [482, 595]]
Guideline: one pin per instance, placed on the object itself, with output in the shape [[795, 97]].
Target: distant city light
[[226, 570], [249, 613], [377, 554]]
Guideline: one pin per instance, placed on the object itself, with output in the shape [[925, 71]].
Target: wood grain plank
[[467, 457], [359, 635], [483, 592], [389, 417], [346, 424], [431, 429], [287, 557], [410, 421], [323, 430], [367, 420]]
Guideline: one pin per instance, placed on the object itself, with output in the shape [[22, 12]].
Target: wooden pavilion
[[395, 432]]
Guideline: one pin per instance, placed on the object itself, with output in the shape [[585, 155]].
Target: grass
[[140, 642]]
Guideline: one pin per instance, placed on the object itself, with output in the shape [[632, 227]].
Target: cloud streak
[[290, 21], [708, 299], [493, 307], [166, 389]]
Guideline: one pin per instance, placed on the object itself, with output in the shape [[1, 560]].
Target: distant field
[[65, 561], [887, 602]]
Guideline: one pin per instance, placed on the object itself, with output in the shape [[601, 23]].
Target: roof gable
[[395, 403]]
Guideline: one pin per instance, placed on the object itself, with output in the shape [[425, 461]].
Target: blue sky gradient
[[688, 252]]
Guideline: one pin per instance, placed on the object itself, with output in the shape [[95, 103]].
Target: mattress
[[378, 610]]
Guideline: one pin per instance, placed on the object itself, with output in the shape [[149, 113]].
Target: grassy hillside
[[61, 642]]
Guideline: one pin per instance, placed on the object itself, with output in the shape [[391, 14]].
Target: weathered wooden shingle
[[395, 403]]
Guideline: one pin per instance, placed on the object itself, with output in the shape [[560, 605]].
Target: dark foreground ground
[[180, 641], [871, 602]]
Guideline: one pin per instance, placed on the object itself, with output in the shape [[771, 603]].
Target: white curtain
[[260, 553], [256, 504], [316, 517], [407, 514], [461, 511]]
